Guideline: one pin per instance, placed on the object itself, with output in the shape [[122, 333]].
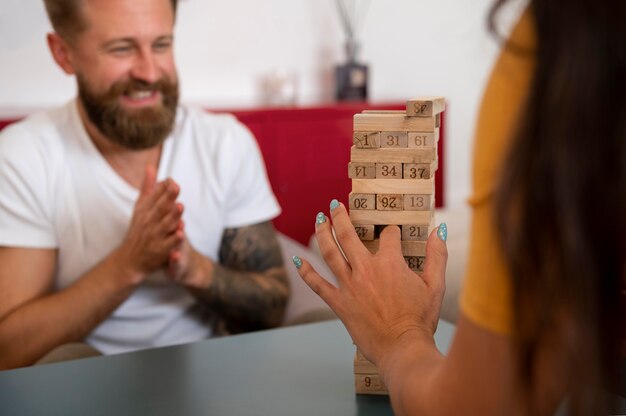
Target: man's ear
[[61, 52]]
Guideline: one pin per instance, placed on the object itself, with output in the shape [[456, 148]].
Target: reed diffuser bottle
[[351, 78]]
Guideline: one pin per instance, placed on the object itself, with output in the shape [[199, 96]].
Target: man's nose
[[145, 68]]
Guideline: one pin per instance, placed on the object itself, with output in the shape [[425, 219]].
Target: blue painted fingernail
[[334, 204], [320, 218], [442, 231], [296, 260]]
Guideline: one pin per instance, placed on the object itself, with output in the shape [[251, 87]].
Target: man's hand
[[155, 228], [247, 289], [188, 267]]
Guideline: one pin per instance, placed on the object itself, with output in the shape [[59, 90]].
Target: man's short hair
[[66, 18]]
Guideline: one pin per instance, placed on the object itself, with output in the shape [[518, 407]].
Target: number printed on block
[[421, 140], [362, 201], [415, 263], [366, 139], [416, 202], [369, 383], [389, 170], [389, 202], [420, 108], [364, 170], [416, 171], [414, 232], [425, 107], [394, 139], [365, 232]]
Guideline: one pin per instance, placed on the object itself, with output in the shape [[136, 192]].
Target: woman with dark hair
[[543, 317]]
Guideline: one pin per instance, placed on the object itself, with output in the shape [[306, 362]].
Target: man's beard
[[135, 129]]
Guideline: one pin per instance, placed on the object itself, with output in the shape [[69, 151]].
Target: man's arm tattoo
[[250, 288]]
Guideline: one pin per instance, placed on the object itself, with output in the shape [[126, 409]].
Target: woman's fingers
[[347, 238], [390, 244], [436, 257], [329, 249], [317, 283]]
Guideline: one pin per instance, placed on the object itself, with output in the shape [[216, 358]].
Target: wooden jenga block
[[421, 140], [362, 365], [392, 122], [401, 112], [363, 170], [359, 217], [409, 248], [402, 145], [427, 155], [366, 139], [359, 356], [416, 170], [393, 186], [388, 171], [365, 367], [362, 201], [415, 232], [413, 248], [417, 202], [425, 107], [394, 139], [369, 384], [365, 232], [415, 263], [389, 202]]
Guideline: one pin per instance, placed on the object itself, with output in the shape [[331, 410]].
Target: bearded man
[[128, 221]]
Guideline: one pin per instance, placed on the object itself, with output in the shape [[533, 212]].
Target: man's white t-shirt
[[58, 191]]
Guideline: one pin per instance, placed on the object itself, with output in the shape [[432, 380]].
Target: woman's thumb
[[436, 256]]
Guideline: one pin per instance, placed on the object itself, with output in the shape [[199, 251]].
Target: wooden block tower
[[392, 166]]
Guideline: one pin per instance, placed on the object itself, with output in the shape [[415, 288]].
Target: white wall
[[225, 47]]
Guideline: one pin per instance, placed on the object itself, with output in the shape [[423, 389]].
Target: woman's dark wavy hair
[[561, 210]]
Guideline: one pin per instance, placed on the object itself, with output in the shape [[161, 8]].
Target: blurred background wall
[[226, 48]]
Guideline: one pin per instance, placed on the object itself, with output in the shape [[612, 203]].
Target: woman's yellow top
[[486, 294]]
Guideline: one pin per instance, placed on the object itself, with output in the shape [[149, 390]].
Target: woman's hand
[[379, 299]]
